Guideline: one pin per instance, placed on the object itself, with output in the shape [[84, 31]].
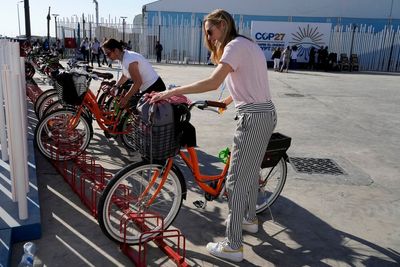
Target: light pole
[[55, 24], [48, 28], [19, 24], [123, 28], [97, 12]]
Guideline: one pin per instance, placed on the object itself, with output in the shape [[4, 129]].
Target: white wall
[[306, 8]]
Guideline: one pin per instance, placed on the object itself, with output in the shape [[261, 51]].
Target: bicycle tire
[[56, 142], [56, 105], [40, 98], [133, 179], [272, 181], [103, 100], [50, 99], [128, 138], [59, 104]]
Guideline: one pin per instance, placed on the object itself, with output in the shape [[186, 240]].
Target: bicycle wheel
[[272, 181], [128, 194], [41, 97], [104, 100], [50, 99], [128, 138], [62, 135], [56, 105]]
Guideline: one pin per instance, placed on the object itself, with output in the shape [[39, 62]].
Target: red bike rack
[[88, 180], [158, 237]]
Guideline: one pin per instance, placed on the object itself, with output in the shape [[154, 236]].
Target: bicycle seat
[[104, 75]]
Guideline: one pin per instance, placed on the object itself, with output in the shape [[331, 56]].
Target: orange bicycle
[[66, 132], [144, 189]]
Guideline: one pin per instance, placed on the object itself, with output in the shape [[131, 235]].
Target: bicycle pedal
[[199, 204], [107, 135]]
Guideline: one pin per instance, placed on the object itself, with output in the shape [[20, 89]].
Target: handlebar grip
[[215, 104]]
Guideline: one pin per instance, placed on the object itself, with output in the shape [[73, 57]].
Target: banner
[[69, 42], [270, 35]]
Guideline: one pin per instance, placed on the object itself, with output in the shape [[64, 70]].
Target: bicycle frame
[[191, 160], [105, 119]]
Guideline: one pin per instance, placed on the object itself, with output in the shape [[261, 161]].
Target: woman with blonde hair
[[242, 64]]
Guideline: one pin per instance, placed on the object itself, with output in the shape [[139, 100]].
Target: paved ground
[[319, 220]]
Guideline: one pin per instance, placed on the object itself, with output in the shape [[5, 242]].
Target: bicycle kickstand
[[270, 212]]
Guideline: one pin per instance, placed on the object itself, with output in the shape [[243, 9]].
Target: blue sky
[[65, 8]]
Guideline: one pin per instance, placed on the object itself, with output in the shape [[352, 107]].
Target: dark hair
[[112, 44]]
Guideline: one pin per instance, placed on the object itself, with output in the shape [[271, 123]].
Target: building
[[364, 28]]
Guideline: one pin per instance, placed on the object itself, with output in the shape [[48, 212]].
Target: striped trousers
[[256, 123]]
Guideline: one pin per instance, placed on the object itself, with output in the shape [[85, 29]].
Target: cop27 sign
[[271, 35]]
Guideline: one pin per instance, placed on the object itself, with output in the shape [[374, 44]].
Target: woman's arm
[[121, 80], [137, 82], [209, 84]]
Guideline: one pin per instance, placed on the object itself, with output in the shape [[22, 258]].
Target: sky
[[65, 8]]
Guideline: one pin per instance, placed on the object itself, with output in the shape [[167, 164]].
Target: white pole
[[17, 172], [3, 135]]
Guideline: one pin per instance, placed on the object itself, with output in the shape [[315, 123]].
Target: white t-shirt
[[294, 54], [148, 74], [248, 83]]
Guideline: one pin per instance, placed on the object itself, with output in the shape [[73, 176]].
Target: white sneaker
[[248, 226], [223, 250], [251, 227]]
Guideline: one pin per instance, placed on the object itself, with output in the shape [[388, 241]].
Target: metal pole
[[48, 27], [19, 23], [97, 12], [123, 28], [83, 26], [27, 20], [200, 39], [55, 24], [354, 27]]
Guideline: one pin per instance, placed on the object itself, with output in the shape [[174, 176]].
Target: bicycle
[[158, 188], [49, 100], [66, 132]]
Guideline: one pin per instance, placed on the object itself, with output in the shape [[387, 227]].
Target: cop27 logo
[[268, 36], [305, 38]]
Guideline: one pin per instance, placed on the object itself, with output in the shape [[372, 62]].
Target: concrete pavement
[[319, 220]]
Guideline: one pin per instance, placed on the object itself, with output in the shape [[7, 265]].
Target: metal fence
[[376, 51]]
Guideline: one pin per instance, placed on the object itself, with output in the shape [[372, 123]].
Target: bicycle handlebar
[[203, 104]]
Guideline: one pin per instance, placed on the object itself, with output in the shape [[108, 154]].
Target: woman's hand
[[226, 101], [154, 97]]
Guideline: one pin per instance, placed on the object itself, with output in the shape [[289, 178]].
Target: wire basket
[[155, 142], [71, 87]]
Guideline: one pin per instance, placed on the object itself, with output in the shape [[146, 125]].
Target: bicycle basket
[[155, 142], [71, 87], [277, 147], [155, 133]]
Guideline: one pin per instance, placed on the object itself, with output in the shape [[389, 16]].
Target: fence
[[376, 51]]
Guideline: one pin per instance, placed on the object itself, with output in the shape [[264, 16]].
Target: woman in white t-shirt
[[134, 67], [242, 64]]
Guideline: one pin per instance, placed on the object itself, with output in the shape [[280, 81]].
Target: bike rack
[[88, 180], [157, 236]]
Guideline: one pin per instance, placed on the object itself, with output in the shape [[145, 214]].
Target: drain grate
[[316, 166]]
